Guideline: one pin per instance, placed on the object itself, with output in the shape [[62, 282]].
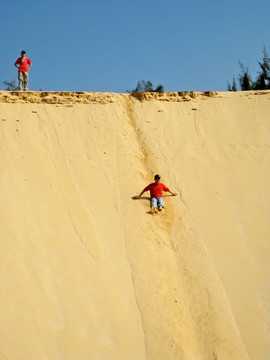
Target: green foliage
[[244, 78], [10, 85], [232, 87], [147, 86], [262, 81], [159, 88]]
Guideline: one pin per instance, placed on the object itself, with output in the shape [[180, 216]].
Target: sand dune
[[87, 273]]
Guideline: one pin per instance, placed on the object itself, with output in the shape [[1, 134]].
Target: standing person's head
[[23, 53], [157, 178]]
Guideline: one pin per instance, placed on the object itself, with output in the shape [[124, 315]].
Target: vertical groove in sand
[[149, 161], [158, 282], [172, 292]]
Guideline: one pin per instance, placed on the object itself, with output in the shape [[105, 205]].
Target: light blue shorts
[[157, 202]]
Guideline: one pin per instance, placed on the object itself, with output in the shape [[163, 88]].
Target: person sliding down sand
[[156, 192]]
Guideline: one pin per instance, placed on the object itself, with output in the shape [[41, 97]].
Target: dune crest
[[88, 273]]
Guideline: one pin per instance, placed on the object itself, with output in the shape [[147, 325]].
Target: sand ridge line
[[179, 96], [57, 97], [81, 97], [69, 98]]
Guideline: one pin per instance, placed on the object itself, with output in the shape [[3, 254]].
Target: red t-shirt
[[23, 64], [156, 190]]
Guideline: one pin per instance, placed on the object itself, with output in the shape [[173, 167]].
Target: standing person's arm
[[30, 64], [16, 64]]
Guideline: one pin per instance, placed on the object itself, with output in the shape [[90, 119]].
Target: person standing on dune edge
[[156, 192], [22, 65]]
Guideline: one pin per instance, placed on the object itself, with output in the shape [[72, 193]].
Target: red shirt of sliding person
[[156, 192]]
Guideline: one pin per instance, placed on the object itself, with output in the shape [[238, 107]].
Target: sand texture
[[87, 273]]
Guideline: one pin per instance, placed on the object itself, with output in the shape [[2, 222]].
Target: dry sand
[[87, 273]]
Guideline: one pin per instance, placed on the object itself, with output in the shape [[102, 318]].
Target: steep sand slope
[[87, 273]]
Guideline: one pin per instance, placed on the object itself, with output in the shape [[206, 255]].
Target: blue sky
[[105, 45]]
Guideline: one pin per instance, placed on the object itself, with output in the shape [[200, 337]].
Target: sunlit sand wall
[[88, 273]]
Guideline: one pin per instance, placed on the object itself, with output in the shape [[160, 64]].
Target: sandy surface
[[87, 273]]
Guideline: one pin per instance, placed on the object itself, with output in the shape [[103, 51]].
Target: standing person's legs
[[25, 78], [20, 77]]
